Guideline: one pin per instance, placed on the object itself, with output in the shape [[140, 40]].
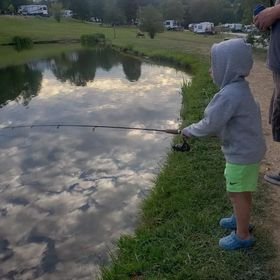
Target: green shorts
[[242, 177]]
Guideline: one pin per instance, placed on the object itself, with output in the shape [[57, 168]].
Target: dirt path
[[262, 85]]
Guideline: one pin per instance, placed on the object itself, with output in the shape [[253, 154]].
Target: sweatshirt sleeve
[[218, 112]]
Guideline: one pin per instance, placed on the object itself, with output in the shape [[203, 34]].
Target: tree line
[[129, 11]]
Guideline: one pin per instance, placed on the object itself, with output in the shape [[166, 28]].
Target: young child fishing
[[234, 116]]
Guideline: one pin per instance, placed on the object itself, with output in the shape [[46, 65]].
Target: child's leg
[[242, 202], [241, 182]]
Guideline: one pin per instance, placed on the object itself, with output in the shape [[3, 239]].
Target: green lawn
[[42, 28], [48, 29], [178, 230]]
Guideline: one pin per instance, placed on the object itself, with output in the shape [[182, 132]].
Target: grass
[[41, 28], [178, 228], [49, 29], [178, 232]]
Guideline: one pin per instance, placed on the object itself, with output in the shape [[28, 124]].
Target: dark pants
[[274, 110]]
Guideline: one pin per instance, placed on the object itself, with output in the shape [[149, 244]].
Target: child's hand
[[185, 133]]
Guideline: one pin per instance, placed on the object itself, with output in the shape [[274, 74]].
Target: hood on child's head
[[231, 61]]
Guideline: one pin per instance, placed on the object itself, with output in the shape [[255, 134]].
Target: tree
[[129, 9], [11, 9], [173, 9], [81, 9], [154, 3], [97, 8], [56, 9], [113, 14], [17, 3], [151, 21], [4, 4], [246, 9]]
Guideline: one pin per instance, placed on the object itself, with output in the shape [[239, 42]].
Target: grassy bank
[[178, 227], [48, 29], [178, 234]]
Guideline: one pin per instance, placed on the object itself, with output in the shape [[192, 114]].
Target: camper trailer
[[33, 10], [67, 13], [172, 24], [236, 27], [204, 28]]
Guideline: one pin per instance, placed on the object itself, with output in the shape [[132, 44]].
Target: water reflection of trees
[[80, 68], [78, 72], [19, 83], [131, 68], [22, 83]]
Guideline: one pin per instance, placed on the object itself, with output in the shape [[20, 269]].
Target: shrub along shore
[[177, 235]]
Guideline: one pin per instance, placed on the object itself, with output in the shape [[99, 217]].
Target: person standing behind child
[[270, 17], [234, 116]]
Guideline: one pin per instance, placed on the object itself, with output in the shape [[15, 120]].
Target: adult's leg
[[274, 120], [275, 108]]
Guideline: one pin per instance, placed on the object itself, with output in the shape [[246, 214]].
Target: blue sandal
[[230, 223], [233, 242]]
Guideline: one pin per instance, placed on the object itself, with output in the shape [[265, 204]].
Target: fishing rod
[[181, 147], [93, 127]]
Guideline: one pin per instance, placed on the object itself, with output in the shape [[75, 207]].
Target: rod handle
[[173, 131]]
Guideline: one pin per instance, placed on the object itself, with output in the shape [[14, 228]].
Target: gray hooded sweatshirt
[[232, 115]]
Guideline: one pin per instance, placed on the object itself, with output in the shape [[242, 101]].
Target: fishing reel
[[181, 147]]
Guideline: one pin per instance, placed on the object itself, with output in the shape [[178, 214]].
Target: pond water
[[67, 194]]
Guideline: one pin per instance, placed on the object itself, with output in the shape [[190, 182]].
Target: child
[[235, 118]]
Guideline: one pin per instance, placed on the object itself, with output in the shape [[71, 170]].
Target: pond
[[68, 193]]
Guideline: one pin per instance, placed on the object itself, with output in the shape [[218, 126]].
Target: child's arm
[[219, 111]]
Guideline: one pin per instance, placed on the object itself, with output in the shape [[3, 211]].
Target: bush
[[250, 39], [151, 21], [22, 43], [128, 48], [93, 39], [258, 39], [56, 9]]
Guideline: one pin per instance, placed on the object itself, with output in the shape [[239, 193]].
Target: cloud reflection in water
[[66, 194]]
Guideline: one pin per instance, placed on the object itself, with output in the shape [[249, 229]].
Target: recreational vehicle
[[172, 24], [204, 28], [236, 27], [33, 10], [191, 26], [67, 13]]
